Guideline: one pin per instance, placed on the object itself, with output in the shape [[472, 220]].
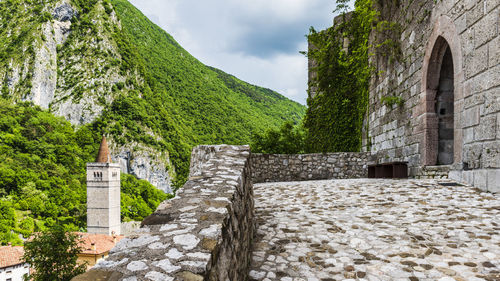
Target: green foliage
[[287, 140], [334, 119], [139, 198], [43, 176], [42, 168], [7, 223], [53, 254], [392, 100], [335, 116]]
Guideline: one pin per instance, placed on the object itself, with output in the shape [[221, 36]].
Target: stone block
[[472, 100], [468, 135], [472, 155], [486, 80], [494, 51], [468, 177], [498, 126], [490, 155], [494, 181], [491, 102], [471, 117], [491, 4], [481, 179], [455, 175], [486, 28], [461, 23], [486, 129], [475, 13], [477, 61], [467, 41]]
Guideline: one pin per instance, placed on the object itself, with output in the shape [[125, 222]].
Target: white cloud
[[258, 41]]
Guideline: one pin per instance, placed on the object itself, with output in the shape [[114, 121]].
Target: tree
[[53, 255], [287, 140]]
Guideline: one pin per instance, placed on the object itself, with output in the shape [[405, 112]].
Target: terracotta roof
[[103, 156], [97, 244], [10, 256]]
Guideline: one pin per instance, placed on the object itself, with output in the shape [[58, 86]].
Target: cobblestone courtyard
[[375, 230]]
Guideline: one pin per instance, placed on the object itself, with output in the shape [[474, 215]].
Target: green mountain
[[103, 65], [42, 174]]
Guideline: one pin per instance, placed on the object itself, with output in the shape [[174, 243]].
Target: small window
[[8, 279], [114, 174]]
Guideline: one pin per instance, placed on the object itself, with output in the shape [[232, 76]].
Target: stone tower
[[103, 194]]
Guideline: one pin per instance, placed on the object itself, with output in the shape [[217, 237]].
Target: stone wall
[[204, 233], [411, 132], [299, 167]]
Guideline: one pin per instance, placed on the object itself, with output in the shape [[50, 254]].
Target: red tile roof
[[96, 244], [10, 256]]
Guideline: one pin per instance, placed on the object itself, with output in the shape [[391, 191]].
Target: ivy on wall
[[342, 71], [334, 118]]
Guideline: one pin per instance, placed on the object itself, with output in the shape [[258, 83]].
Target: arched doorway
[[440, 105], [442, 85]]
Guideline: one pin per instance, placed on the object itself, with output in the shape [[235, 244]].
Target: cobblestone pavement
[[375, 230]]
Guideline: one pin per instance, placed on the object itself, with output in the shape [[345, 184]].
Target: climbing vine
[[334, 118], [339, 88]]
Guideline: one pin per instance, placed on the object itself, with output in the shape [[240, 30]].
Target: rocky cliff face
[[70, 63], [145, 163]]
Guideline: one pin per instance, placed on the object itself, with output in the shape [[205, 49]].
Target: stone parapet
[[204, 233], [299, 167]]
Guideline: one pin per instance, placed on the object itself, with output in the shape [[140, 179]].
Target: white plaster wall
[[16, 272]]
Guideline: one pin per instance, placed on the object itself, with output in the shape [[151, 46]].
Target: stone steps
[[434, 172]]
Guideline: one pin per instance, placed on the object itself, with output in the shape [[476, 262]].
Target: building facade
[[447, 82], [12, 266], [95, 247]]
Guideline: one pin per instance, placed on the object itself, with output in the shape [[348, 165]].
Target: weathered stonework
[[204, 233], [465, 98], [300, 167]]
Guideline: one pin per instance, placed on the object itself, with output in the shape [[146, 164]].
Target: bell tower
[[103, 194]]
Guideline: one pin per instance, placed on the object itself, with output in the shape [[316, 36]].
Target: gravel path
[[367, 229]]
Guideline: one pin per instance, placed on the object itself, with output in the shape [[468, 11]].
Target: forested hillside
[[104, 63], [42, 174], [104, 67]]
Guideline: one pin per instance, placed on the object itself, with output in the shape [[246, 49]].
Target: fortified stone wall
[[300, 167], [204, 233], [418, 131]]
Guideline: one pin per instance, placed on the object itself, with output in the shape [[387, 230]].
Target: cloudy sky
[[258, 41]]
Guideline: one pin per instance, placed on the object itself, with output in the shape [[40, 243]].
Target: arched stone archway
[[442, 96]]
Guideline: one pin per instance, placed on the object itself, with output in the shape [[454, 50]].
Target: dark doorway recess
[[439, 132], [444, 110]]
